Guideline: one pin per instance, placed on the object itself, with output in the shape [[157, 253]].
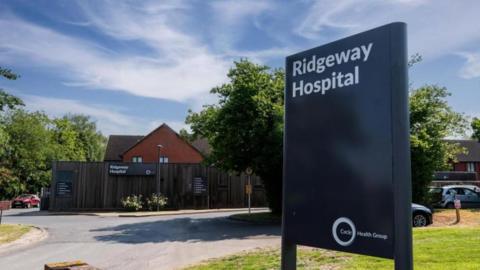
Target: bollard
[[458, 205]]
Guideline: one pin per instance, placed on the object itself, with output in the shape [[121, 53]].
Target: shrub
[[10, 185], [132, 202], [156, 201]]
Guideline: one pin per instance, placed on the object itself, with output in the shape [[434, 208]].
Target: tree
[[67, 144], [431, 121], [476, 128], [184, 134], [10, 185], [7, 100], [245, 128], [30, 148], [91, 141]]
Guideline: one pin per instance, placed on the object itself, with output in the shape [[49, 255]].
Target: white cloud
[[230, 18], [108, 120], [471, 68], [435, 28], [261, 56], [234, 11], [180, 69]]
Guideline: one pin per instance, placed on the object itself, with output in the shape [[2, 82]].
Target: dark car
[[26, 201], [421, 215]]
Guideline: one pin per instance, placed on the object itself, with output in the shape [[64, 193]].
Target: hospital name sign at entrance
[[347, 160]]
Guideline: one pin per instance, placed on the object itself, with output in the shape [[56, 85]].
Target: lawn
[[11, 232], [258, 218], [439, 247]]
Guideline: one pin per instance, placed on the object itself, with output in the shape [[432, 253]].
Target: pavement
[[148, 242]]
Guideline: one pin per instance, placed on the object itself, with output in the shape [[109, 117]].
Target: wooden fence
[[90, 186]]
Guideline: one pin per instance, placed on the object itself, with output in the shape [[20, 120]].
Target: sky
[[133, 65]]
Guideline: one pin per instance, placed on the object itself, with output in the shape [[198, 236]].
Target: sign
[[63, 183], [458, 204], [200, 186], [346, 165], [5, 205], [248, 189], [145, 169]]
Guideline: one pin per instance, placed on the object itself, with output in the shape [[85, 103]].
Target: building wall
[[462, 166], [174, 147]]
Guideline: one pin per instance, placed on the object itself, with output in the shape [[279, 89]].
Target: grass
[[258, 218], [435, 248], [268, 259], [12, 232], [439, 247]]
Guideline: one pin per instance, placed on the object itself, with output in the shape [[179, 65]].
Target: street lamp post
[[249, 172], [159, 147]]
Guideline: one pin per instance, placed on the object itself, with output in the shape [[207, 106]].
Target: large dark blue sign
[[346, 164]]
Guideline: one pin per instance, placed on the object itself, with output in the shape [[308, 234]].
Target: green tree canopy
[[30, 150], [475, 128], [431, 121], [7, 100], [30, 141], [245, 128], [90, 140]]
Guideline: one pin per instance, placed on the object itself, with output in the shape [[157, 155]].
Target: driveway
[[164, 242]]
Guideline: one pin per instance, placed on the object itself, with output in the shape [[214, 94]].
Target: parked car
[[421, 215], [26, 201], [468, 195]]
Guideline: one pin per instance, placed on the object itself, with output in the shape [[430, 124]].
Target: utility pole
[[159, 178]]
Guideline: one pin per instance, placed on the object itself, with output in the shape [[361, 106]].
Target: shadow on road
[[35, 213], [19, 212], [184, 230]]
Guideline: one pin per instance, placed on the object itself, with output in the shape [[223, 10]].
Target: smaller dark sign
[[200, 186], [64, 189], [132, 169], [64, 186]]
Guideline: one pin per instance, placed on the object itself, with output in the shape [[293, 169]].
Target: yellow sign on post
[[248, 189]]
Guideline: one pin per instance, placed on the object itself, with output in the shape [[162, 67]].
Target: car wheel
[[450, 205], [419, 220]]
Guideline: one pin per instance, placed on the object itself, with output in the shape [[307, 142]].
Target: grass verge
[[258, 218], [12, 232], [434, 249]]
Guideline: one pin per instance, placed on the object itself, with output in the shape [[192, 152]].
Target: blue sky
[[133, 65]]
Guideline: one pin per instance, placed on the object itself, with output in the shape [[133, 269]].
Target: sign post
[[4, 205], [249, 189], [346, 166]]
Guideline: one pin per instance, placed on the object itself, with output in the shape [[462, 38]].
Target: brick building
[[162, 145], [470, 161], [467, 168]]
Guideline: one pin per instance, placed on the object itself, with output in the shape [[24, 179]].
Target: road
[[167, 242]]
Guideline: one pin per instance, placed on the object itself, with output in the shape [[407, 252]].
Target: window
[[137, 159], [470, 192], [470, 167], [163, 159]]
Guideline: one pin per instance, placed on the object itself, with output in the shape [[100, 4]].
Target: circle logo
[[148, 172], [347, 231]]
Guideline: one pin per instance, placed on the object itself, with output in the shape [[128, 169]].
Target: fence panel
[[89, 186]]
